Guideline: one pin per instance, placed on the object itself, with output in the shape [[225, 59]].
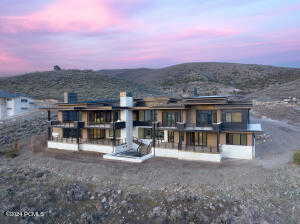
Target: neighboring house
[[14, 104], [195, 128]]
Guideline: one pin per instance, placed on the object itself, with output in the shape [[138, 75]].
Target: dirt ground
[[160, 172], [270, 181]]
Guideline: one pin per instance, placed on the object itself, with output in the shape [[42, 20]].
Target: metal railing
[[199, 148], [99, 124], [65, 124], [64, 140], [144, 149], [213, 126], [106, 125], [104, 141], [142, 123], [166, 124], [87, 141], [167, 145], [183, 147]]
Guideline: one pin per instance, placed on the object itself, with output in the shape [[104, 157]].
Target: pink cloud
[[67, 15], [10, 63]]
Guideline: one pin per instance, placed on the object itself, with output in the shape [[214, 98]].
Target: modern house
[[207, 128], [14, 104]]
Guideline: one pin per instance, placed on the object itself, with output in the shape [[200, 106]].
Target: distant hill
[[87, 83], [242, 76], [208, 78]]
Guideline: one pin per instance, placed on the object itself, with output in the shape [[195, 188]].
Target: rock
[[56, 68], [76, 192], [158, 211]]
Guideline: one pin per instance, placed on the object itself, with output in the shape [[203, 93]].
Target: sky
[[35, 35]]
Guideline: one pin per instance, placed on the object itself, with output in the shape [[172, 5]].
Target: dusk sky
[[35, 35]]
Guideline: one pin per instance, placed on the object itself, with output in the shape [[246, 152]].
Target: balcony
[[67, 124], [104, 141], [202, 127], [142, 123], [167, 125], [182, 126], [189, 148], [109, 142], [106, 125]]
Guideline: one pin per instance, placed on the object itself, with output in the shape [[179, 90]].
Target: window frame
[[243, 139], [230, 116], [170, 118], [207, 121], [111, 134]]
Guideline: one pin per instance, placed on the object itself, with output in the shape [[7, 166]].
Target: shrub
[[296, 157], [12, 153]]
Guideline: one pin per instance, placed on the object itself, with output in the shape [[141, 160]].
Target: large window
[[204, 117], [100, 116], [118, 133], [233, 117], [169, 119], [236, 139], [70, 116], [96, 133], [71, 133], [197, 138], [171, 136], [146, 115], [201, 138]]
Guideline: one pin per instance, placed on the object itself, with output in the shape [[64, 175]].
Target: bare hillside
[[87, 83], [178, 80]]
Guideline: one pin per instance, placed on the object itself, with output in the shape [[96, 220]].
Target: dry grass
[[296, 157]]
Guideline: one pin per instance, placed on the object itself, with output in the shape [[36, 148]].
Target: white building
[[14, 104]]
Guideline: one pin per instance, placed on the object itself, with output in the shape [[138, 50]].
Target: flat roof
[[4, 94], [203, 97]]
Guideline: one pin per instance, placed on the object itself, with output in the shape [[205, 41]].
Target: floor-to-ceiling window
[[197, 138], [96, 133], [204, 117], [169, 119], [236, 139], [100, 116]]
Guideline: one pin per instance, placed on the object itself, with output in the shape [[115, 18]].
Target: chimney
[[70, 98], [126, 99]]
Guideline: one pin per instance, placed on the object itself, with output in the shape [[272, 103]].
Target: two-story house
[[196, 128]]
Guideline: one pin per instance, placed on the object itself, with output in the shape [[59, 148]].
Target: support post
[[153, 132], [114, 131], [77, 130], [218, 141], [49, 125]]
